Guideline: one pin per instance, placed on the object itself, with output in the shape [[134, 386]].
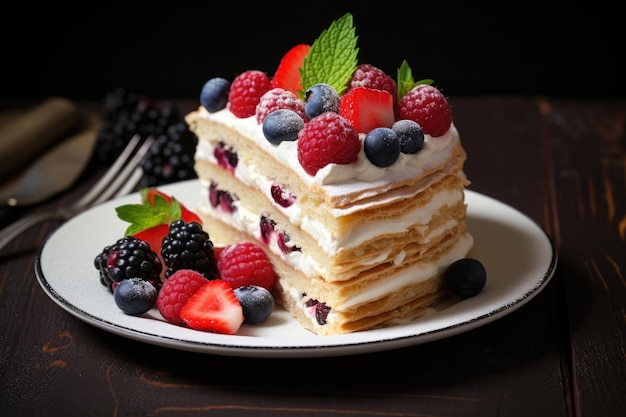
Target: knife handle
[[33, 132]]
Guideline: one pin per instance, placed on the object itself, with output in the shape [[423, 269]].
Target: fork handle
[[16, 228]]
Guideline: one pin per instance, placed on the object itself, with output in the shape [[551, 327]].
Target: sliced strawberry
[[287, 75], [367, 109], [213, 308]]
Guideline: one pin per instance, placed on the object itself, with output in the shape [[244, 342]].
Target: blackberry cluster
[[187, 246], [125, 114], [171, 157], [127, 258]]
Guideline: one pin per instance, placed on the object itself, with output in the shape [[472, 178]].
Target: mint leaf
[[406, 81], [145, 216], [332, 58]]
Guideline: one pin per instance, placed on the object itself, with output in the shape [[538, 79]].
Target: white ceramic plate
[[518, 256]]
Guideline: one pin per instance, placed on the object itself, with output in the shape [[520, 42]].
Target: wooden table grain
[[561, 162]]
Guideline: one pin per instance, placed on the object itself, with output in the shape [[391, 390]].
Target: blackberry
[[171, 157], [125, 114], [187, 246], [127, 258]]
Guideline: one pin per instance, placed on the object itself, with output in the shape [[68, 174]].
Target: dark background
[[170, 48]]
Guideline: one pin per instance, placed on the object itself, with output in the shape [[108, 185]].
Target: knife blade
[[55, 170]]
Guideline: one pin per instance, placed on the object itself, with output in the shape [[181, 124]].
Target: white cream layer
[[341, 179]]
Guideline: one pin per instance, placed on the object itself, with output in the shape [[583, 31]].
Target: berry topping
[[214, 94], [367, 109], [326, 139], [410, 134], [246, 91], [276, 99], [127, 258], [287, 75], [256, 302], [282, 125], [245, 263], [176, 291], [382, 147], [374, 78], [187, 246], [213, 308], [428, 107], [135, 296], [321, 98], [466, 277]]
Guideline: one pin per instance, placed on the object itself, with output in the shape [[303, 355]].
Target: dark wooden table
[[561, 162]]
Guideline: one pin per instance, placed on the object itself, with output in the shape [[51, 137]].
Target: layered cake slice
[[352, 181]]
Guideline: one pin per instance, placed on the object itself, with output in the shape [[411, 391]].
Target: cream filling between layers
[[327, 240], [420, 273]]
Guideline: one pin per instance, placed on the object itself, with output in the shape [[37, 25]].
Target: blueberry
[[281, 125], [382, 147], [321, 98], [410, 135], [466, 277], [214, 94], [256, 302], [135, 296]]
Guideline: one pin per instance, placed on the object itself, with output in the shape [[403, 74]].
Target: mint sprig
[[145, 216], [405, 80], [332, 58]]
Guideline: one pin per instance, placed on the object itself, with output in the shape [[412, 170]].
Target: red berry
[[245, 263], [176, 291], [246, 91], [367, 108], [326, 139], [213, 308], [287, 75], [369, 76], [276, 99], [427, 106]]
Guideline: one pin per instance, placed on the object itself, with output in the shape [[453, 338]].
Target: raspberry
[[245, 263], [369, 76], [187, 246], [427, 106], [276, 99], [176, 291], [127, 258], [326, 139], [246, 91]]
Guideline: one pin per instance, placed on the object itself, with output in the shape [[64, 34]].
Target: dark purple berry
[[321, 98], [410, 135], [466, 277], [281, 196], [381, 146], [214, 94], [135, 296], [282, 125], [256, 302], [187, 246]]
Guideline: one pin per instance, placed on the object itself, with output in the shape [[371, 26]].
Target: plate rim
[[321, 349]]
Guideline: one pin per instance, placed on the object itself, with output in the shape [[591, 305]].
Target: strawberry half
[[214, 307], [287, 75], [367, 108]]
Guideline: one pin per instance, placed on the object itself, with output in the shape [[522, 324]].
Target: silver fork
[[120, 179]]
